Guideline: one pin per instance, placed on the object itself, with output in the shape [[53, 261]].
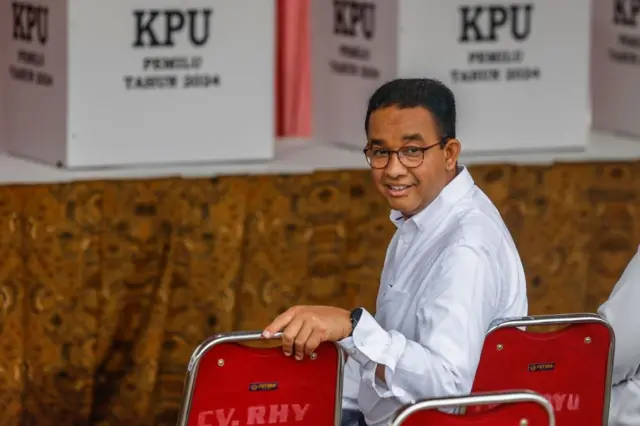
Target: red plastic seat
[[571, 367], [231, 384], [504, 409]]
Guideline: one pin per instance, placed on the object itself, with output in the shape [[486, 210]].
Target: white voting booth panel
[[615, 77], [5, 22], [519, 69], [101, 83], [353, 51]]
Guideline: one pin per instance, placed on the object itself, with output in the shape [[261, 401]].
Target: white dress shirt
[[621, 310], [449, 272]]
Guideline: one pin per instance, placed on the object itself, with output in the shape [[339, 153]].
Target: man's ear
[[451, 153]]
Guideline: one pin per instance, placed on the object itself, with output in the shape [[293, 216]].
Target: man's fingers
[[289, 335], [301, 340], [313, 342], [278, 324]]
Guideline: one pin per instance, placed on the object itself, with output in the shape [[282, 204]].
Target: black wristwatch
[[355, 317]]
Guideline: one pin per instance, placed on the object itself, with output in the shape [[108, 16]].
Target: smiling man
[[450, 270]]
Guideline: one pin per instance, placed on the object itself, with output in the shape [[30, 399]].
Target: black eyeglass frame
[[441, 144]]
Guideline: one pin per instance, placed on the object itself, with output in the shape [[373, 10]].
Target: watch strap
[[355, 317]]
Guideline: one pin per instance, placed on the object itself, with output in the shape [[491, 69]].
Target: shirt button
[[352, 351]]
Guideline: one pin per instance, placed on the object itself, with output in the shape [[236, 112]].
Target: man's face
[[410, 190]]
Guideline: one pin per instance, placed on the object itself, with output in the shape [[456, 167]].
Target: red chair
[[504, 409], [231, 384], [571, 367]]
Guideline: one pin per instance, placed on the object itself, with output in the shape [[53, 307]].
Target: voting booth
[[353, 51], [101, 83], [4, 23], [615, 78], [519, 70]]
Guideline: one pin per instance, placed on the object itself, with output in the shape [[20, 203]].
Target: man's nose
[[395, 168]]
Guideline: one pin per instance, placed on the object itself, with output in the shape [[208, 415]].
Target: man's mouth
[[398, 190]]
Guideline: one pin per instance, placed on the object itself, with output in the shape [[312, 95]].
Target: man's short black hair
[[430, 94]]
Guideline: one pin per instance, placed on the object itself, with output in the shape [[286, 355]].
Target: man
[[451, 268], [621, 310]]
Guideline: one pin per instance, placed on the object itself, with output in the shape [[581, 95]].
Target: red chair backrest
[[231, 384], [571, 366], [512, 409]]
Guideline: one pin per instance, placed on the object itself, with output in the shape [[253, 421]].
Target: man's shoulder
[[476, 226], [481, 229]]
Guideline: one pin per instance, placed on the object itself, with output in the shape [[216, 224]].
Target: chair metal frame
[[242, 337], [493, 398], [567, 320]]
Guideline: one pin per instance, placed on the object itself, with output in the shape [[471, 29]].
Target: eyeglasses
[[409, 156]]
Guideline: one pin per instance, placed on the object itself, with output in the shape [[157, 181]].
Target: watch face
[[355, 315]]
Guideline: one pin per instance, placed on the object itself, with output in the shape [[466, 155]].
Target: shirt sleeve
[[451, 330], [620, 310], [350, 384]]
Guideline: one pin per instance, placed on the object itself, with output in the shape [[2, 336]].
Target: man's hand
[[305, 327]]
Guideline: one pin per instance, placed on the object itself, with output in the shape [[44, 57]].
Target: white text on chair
[[256, 415], [564, 401]]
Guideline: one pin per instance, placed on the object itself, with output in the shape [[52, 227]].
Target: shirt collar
[[450, 194]]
